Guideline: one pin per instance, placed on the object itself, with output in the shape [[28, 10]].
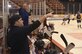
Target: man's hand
[[45, 16], [49, 15]]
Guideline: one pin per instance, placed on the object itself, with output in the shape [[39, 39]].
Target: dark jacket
[[17, 38], [25, 15]]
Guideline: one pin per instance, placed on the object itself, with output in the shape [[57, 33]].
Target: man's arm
[[37, 23]]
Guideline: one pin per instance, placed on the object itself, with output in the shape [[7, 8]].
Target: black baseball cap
[[13, 19]]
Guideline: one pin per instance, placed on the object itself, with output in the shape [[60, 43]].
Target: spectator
[[17, 34], [23, 11]]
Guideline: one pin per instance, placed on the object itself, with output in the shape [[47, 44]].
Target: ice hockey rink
[[71, 33]]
